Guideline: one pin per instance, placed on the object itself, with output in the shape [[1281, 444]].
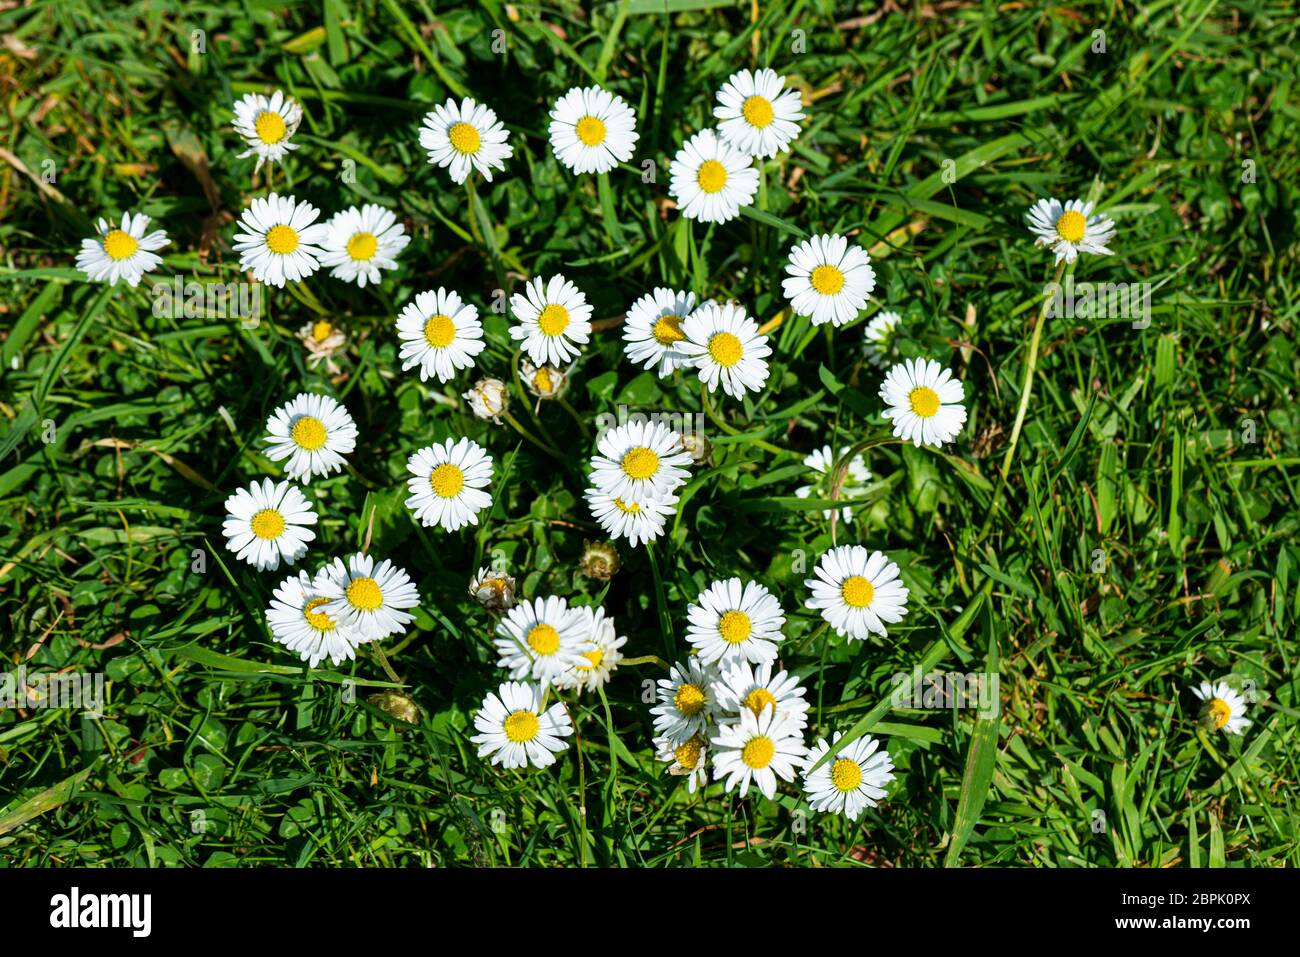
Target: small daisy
[[882, 337], [448, 482], [823, 461], [746, 687], [298, 623], [279, 242], [545, 382], [639, 461], [554, 320], [440, 334], [757, 750], [592, 131], [488, 399], [725, 346], [855, 779], [654, 328], [828, 279], [687, 700], [1224, 709], [314, 432], [121, 252], [359, 243], [465, 137], [492, 589], [597, 665], [857, 591], [322, 339], [710, 180], [366, 597], [757, 115], [924, 402], [689, 759], [267, 126], [544, 639], [1070, 229], [637, 521], [266, 523], [515, 731], [731, 621]]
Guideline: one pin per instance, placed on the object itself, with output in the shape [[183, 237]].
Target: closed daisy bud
[[545, 382], [599, 560], [488, 399], [699, 448], [398, 705], [492, 589]]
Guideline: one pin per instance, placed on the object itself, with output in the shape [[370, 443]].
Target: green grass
[[125, 432]]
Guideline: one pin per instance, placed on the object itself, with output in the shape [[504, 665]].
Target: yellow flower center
[[269, 126], [631, 508], [553, 320], [688, 754], [119, 245], [464, 138], [689, 699], [924, 401], [282, 240], [725, 349], [845, 774], [309, 433], [712, 176], [734, 627], [827, 280], [543, 639], [267, 524], [320, 330], [521, 726], [1071, 226], [317, 619], [668, 329], [362, 247], [593, 657], [364, 594], [1219, 712], [447, 480], [439, 331], [591, 131], [857, 591], [758, 752], [758, 699], [640, 463], [758, 111], [542, 381]]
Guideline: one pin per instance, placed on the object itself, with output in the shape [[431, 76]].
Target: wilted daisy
[[492, 589], [744, 686], [367, 597], [597, 665], [359, 243], [857, 591], [881, 337], [757, 750], [828, 279], [1070, 229], [266, 523], [267, 126], [853, 780], [314, 432], [924, 402], [636, 520], [488, 399], [735, 621], [516, 732], [440, 334], [542, 638], [756, 114], [687, 701], [545, 382], [697, 446], [1224, 709], [322, 339], [689, 759], [599, 560], [639, 461], [121, 252], [592, 131], [710, 180], [725, 346], [554, 320], [279, 241], [465, 137], [298, 623], [654, 328], [447, 483], [823, 462]]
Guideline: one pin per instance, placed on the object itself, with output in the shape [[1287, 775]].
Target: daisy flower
[[596, 666], [689, 759], [857, 591], [358, 243], [828, 279], [924, 402], [639, 461], [440, 334], [367, 597], [554, 320], [687, 700], [756, 114], [314, 432], [592, 131], [121, 252], [267, 126], [823, 461], [1070, 229], [757, 750], [448, 482], [725, 346], [545, 382], [465, 137], [488, 399], [492, 589], [636, 520], [266, 522], [298, 623], [543, 638], [516, 732], [1224, 709], [881, 336], [731, 621], [710, 180], [855, 779], [322, 339], [654, 328], [279, 242], [746, 687]]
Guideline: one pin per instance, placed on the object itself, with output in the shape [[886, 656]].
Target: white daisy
[[279, 242], [725, 346], [689, 759], [757, 750], [366, 597], [298, 623], [543, 638], [554, 320], [637, 521], [710, 180], [828, 279], [592, 131], [266, 523], [267, 126], [448, 482], [440, 334], [823, 461], [596, 666], [359, 243], [494, 590], [516, 732], [853, 780], [488, 399], [745, 687], [1224, 709], [857, 591], [121, 252], [687, 700], [653, 330], [465, 137], [735, 621], [545, 382], [1070, 229], [638, 461], [757, 115], [924, 402], [314, 432], [881, 337]]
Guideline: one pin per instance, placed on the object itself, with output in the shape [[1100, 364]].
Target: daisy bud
[[494, 590], [599, 560], [488, 399], [322, 339], [697, 446], [546, 382], [397, 705]]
